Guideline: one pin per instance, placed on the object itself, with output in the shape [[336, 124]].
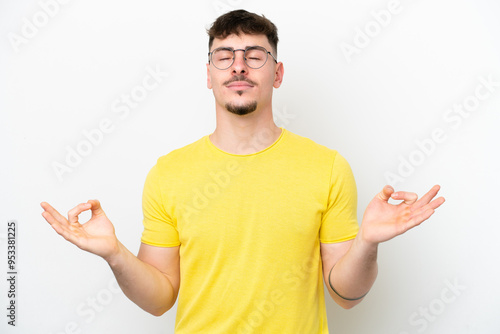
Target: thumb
[[386, 193], [96, 208]]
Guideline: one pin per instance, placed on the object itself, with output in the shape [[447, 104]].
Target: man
[[244, 224]]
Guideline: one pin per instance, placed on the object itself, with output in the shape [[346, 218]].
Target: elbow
[[158, 311], [163, 307], [347, 306]]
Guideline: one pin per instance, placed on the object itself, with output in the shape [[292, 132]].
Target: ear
[[209, 80], [278, 75]]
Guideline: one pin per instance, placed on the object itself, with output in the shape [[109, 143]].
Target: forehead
[[241, 41]]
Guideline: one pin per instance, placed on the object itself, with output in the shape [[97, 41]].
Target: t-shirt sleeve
[[159, 227], [339, 221]]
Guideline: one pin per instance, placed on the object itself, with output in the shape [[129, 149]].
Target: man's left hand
[[383, 221]]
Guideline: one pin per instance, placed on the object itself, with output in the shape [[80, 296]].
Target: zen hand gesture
[[96, 236], [383, 221]]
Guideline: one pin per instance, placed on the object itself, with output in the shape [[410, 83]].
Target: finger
[[54, 213], [428, 196], [407, 197], [423, 213], [60, 228], [385, 194], [432, 205], [436, 203], [73, 213], [95, 207], [59, 223], [420, 218], [56, 225], [64, 231]]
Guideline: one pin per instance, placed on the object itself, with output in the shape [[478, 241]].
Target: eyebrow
[[231, 48]]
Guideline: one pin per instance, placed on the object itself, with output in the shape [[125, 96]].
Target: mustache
[[240, 78]]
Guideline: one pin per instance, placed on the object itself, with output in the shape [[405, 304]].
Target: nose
[[239, 64]]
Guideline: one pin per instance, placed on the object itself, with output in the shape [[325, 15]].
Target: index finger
[[95, 207], [386, 193], [75, 212]]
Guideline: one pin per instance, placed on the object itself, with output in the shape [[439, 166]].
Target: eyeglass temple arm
[[273, 57]]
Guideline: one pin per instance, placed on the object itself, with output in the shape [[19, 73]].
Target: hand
[[383, 221], [96, 236]]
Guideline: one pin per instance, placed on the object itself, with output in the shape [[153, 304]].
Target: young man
[[244, 224]]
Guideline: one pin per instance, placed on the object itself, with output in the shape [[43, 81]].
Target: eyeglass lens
[[254, 58]]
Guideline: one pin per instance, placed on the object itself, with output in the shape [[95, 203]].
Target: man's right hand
[[96, 236], [151, 279]]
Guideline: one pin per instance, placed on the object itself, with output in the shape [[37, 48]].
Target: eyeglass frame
[[210, 54]]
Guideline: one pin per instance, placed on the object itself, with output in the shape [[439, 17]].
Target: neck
[[245, 134]]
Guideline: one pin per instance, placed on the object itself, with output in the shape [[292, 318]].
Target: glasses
[[255, 57]]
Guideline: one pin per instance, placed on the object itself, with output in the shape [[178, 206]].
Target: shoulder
[[180, 155], [308, 149], [308, 146]]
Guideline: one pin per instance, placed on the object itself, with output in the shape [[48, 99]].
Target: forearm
[[142, 283], [354, 274]]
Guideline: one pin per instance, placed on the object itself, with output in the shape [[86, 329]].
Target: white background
[[374, 107]]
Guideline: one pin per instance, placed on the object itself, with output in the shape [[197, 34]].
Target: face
[[241, 89]]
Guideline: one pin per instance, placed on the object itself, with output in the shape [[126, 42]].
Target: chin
[[242, 109]]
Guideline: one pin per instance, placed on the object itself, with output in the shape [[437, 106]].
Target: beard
[[243, 109]]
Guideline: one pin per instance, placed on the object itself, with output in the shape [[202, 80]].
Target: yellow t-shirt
[[249, 229]]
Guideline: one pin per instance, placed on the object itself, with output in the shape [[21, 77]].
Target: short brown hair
[[240, 21]]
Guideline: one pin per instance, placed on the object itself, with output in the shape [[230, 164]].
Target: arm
[[151, 280], [354, 271], [351, 267]]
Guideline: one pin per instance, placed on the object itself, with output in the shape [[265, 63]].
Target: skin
[[354, 262], [255, 131], [152, 278]]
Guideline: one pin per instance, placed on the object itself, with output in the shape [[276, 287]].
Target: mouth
[[239, 85]]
